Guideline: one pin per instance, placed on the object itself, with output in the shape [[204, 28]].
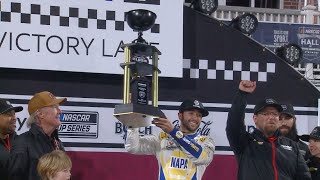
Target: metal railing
[[263, 14]]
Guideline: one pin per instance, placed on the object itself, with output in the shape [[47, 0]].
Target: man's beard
[[292, 133], [270, 131], [187, 126]]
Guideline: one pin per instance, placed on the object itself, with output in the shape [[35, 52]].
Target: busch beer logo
[[122, 130]]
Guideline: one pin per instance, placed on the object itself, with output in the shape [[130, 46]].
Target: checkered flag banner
[[64, 16], [154, 2], [227, 70]]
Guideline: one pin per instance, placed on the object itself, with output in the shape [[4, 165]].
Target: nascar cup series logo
[[79, 124]]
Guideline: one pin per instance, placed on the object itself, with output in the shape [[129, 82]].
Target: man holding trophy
[[182, 153]]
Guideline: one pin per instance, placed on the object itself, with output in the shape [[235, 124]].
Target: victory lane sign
[[54, 44]]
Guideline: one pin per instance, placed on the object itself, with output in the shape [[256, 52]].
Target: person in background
[[262, 154], [55, 166], [314, 147], [41, 138], [7, 134], [288, 128]]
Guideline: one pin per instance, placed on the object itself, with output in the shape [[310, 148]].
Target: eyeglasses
[[272, 114]]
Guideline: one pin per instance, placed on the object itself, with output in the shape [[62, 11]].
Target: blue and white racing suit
[[179, 156]]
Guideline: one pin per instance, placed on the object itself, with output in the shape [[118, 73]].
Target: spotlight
[[205, 6], [291, 53], [246, 23]]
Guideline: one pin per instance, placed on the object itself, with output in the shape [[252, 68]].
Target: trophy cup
[[135, 110]]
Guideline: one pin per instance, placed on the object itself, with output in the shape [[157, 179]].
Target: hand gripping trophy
[[135, 110]]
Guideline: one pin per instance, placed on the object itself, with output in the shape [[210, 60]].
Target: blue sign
[[274, 35]]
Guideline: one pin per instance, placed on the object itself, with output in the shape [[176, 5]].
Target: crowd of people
[[19, 155], [273, 150]]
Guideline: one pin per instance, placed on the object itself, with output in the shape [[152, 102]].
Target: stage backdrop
[[83, 36], [216, 58]]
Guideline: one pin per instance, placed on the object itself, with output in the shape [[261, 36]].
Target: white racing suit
[[179, 156]]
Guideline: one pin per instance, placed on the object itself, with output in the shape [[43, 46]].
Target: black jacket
[[303, 147], [304, 150], [4, 157], [255, 154], [314, 167], [26, 151]]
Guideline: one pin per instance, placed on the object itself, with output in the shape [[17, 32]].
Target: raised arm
[[135, 144], [236, 130]]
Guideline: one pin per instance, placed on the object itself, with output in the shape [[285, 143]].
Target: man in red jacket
[[263, 154]]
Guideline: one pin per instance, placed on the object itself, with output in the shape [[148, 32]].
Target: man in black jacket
[[262, 154], [7, 133], [41, 138], [288, 128], [314, 146]]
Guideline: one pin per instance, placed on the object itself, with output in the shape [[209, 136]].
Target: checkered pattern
[[154, 2], [47, 15], [227, 70]]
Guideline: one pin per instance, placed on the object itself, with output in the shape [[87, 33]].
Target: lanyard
[[7, 144]]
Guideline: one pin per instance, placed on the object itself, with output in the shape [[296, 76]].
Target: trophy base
[[136, 115]]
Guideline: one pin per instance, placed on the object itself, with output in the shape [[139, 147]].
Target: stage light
[[246, 23], [291, 53], [205, 6]]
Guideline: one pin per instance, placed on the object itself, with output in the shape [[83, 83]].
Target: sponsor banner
[[90, 128], [79, 124], [274, 35], [82, 36]]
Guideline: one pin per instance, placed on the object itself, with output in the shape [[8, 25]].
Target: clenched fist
[[247, 86]]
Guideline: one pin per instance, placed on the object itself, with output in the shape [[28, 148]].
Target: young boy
[[55, 166]]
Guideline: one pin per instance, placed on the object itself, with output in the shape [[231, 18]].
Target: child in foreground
[[55, 166]]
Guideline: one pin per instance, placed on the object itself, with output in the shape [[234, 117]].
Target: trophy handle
[[155, 81], [126, 80]]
